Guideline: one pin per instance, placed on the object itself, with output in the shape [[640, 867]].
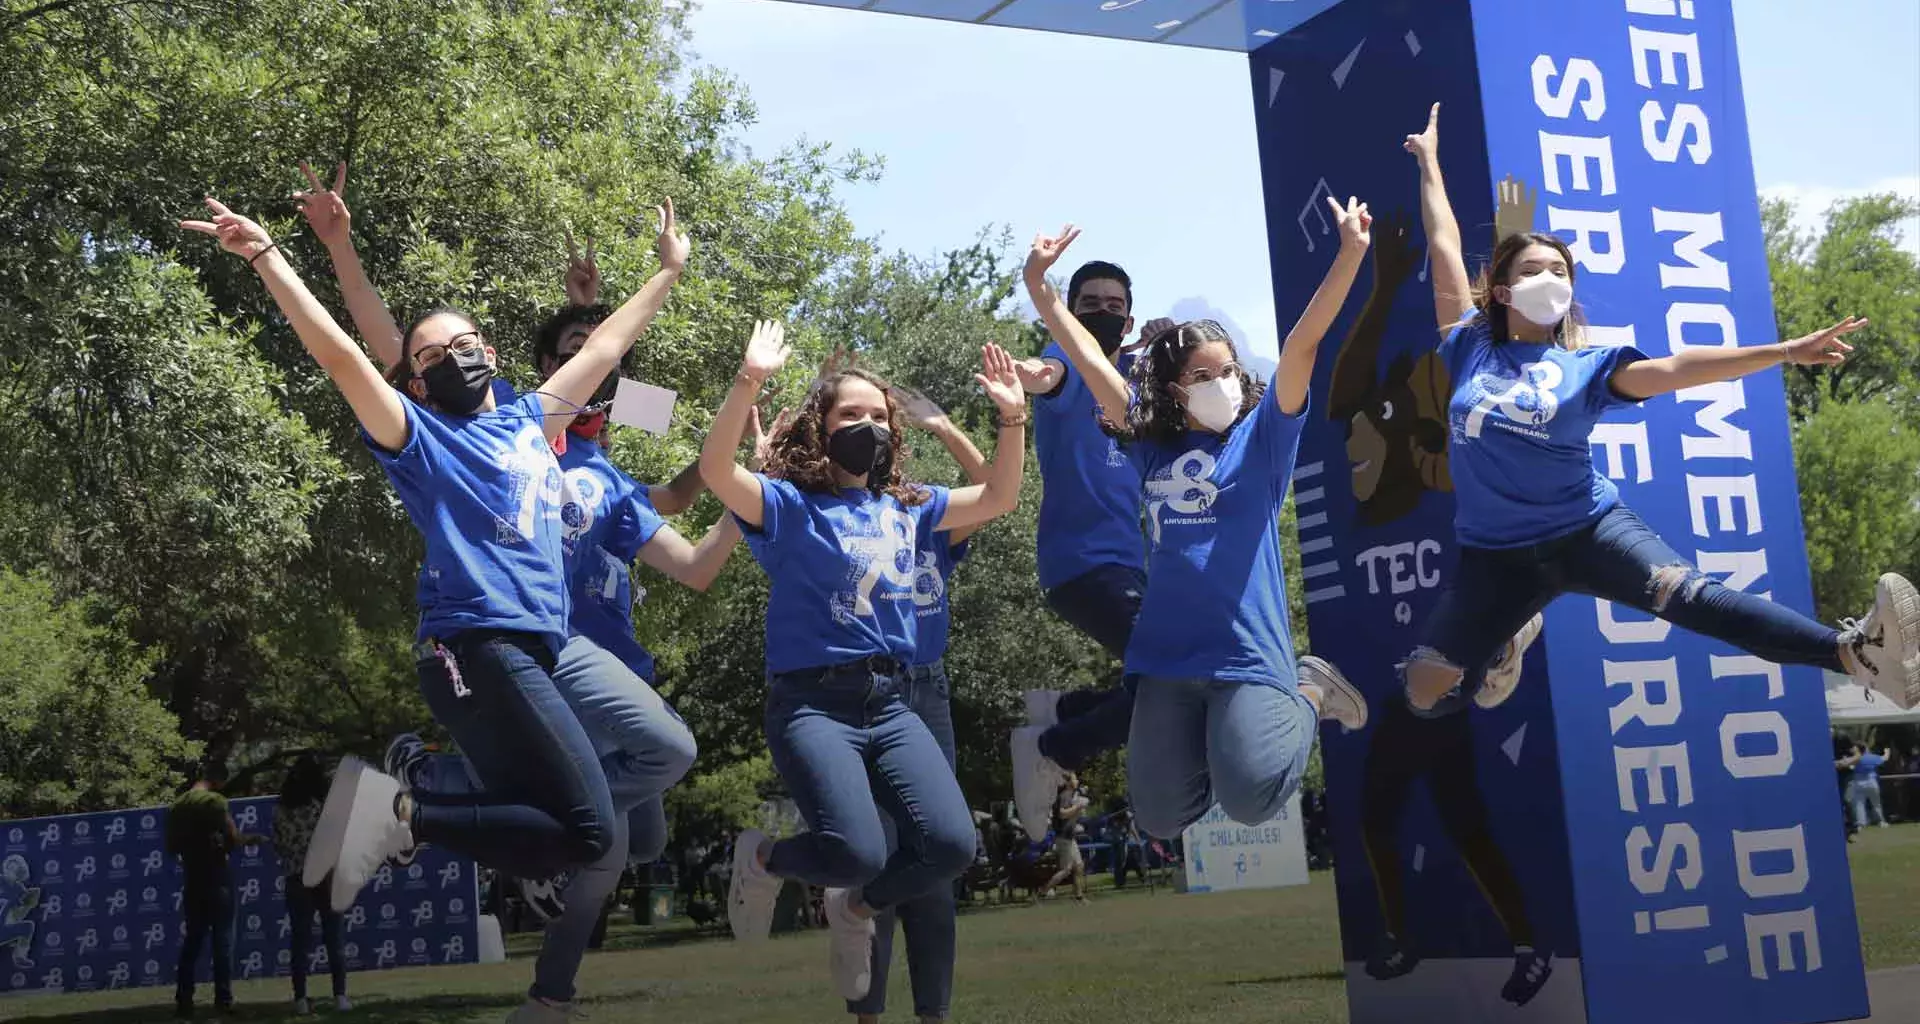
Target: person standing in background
[[293, 820], [201, 832]]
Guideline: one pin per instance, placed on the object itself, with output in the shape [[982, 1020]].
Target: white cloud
[[1811, 202]]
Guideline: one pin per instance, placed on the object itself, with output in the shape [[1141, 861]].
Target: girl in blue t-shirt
[[836, 527], [481, 484], [1219, 712], [1535, 520]]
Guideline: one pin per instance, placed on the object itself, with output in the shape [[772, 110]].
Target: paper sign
[[642, 405]]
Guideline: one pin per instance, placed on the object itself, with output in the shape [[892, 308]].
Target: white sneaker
[[1036, 782], [1885, 659], [302, 1008], [851, 944], [360, 828], [752, 892], [1043, 708], [539, 1011], [1503, 676], [1339, 701], [342, 1004]]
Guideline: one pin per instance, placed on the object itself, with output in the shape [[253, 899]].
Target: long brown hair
[[799, 454], [1570, 333]]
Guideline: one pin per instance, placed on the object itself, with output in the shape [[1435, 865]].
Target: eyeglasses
[[464, 343], [1203, 375]]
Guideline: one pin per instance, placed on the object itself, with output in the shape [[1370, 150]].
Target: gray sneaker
[[1886, 643]]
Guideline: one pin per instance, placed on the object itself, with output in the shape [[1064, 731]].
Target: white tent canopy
[[1849, 703]]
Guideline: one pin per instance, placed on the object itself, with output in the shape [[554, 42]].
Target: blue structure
[[1665, 804], [102, 897]]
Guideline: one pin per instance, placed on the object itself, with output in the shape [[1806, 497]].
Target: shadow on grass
[[1282, 979], [438, 1009]]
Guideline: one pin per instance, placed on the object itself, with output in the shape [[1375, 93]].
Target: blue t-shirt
[[485, 492], [606, 519], [1867, 769], [933, 568], [841, 569], [1519, 422], [1216, 601], [1090, 501]]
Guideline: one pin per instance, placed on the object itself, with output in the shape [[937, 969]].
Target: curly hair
[[1570, 333], [799, 454], [546, 338], [1157, 414]]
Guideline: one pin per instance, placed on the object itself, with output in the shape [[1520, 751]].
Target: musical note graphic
[[1319, 213]]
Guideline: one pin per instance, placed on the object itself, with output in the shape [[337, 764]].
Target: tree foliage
[[1859, 465]]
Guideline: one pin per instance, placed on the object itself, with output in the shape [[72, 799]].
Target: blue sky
[[989, 126]]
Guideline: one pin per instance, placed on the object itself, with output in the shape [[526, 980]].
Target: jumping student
[[836, 526], [1089, 550], [1534, 520], [1220, 714], [928, 919], [481, 484]]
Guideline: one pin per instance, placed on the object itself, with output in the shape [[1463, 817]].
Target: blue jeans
[[638, 835], [850, 750], [302, 904], [1103, 604], [1865, 797], [542, 806], [1197, 742], [1620, 559], [928, 920]]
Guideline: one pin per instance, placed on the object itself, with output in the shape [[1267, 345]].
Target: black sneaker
[[542, 896], [404, 757], [1531, 969], [1391, 960]]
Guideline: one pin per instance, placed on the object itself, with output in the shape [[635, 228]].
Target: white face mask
[[1215, 404], [1543, 299]]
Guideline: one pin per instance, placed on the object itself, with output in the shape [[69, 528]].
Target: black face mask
[[459, 383], [861, 447], [1109, 329]]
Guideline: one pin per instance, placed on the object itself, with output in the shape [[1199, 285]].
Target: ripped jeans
[[1617, 558]]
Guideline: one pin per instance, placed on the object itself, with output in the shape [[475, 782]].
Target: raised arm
[[679, 494], [328, 219], [572, 386], [695, 565], [1102, 377], [736, 487], [378, 407], [970, 507], [1295, 372], [1452, 288], [928, 416], [1692, 367]]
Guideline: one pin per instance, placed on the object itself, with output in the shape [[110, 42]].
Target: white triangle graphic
[[1274, 77], [1346, 66], [1512, 746]]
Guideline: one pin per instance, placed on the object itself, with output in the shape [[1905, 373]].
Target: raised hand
[[583, 275], [922, 411], [767, 350], [1514, 213], [1047, 250], [324, 208], [1823, 348], [1036, 376], [1426, 146], [763, 440], [1154, 327], [237, 234], [1001, 382], [1395, 253], [838, 361], [1354, 222], [673, 245]]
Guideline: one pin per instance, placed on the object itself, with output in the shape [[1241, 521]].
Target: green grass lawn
[[1122, 958]]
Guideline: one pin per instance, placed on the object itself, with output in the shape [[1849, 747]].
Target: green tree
[[1859, 467], [78, 728], [1855, 266]]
